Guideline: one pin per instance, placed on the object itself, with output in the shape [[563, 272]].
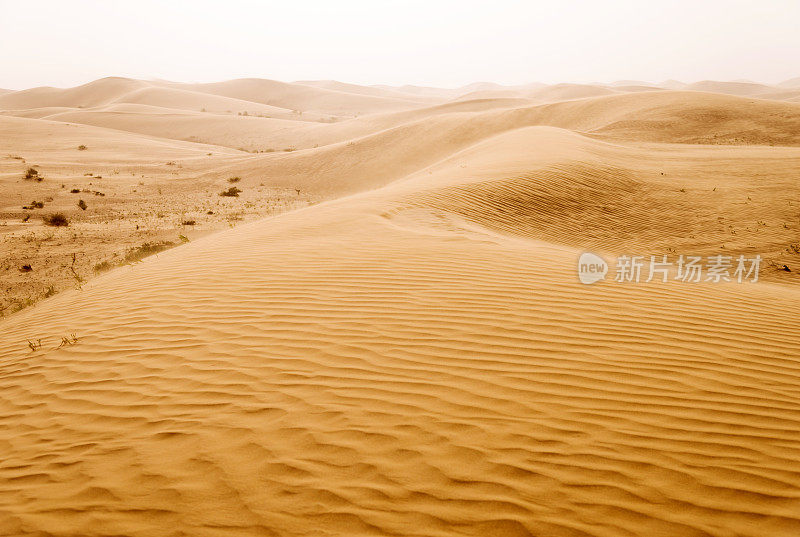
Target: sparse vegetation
[[32, 174], [56, 220], [234, 179], [103, 266], [82, 147], [71, 339], [232, 192], [82, 205], [74, 272], [35, 345], [117, 228], [34, 205], [145, 250]]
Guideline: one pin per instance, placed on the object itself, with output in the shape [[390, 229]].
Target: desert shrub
[[103, 266], [188, 223], [232, 192], [75, 191], [147, 249], [32, 174], [82, 147], [56, 220], [82, 205], [234, 179]]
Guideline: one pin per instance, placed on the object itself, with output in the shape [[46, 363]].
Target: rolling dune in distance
[[383, 332]]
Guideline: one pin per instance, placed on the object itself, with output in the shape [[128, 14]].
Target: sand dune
[[562, 92], [682, 117], [375, 365], [252, 95], [414, 356], [238, 132], [373, 91], [732, 88], [56, 139], [97, 93], [189, 100], [660, 116], [791, 83], [301, 97]]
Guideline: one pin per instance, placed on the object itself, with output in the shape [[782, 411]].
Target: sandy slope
[[416, 356], [368, 90], [301, 97], [791, 83], [233, 96], [658, 116], [387, 364], [56, 139]]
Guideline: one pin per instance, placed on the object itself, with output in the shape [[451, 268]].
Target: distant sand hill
[[414, 355]]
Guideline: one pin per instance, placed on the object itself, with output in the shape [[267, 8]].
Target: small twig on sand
[[74, 273], [72, 339]]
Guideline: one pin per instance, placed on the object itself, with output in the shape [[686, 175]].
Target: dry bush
[[232, 192], [56, 220], [147, 249], [32, 174]]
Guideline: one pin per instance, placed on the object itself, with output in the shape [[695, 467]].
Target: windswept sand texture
[[413, 356]]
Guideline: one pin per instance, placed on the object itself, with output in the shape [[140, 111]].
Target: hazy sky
[[444, 43]]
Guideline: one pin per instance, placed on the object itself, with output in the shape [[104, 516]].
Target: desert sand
[[384, 333]]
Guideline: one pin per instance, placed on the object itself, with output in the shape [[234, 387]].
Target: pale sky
[[427, 42]]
